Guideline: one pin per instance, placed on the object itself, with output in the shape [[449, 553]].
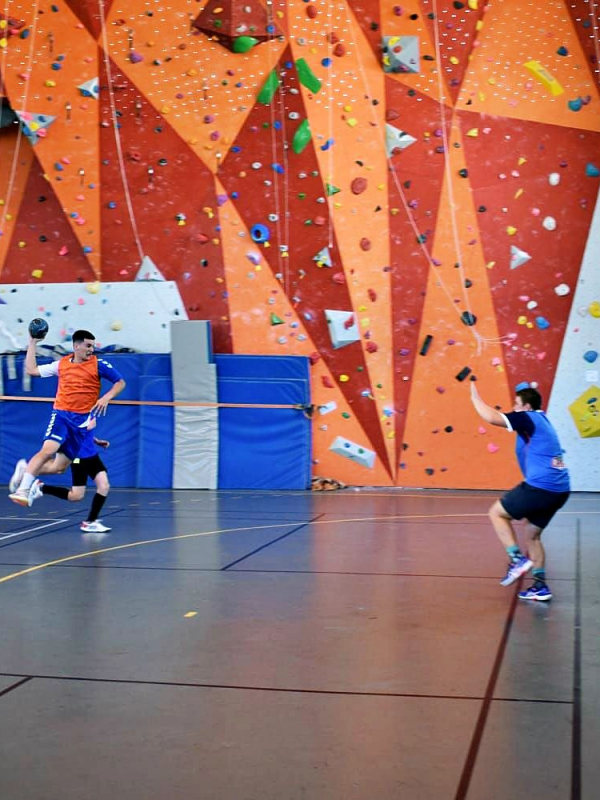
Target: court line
[[576, 723], [78, 556], [219, 531], [31, 530], [274, 689], [473, 751]]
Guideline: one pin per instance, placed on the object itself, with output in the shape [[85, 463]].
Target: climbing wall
[[402, 193]]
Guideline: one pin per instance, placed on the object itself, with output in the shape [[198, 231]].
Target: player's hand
[[474, 392], [99, 410], [102, 443]]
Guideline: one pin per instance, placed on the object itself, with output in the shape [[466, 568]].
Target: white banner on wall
[[135, 315], [577, 375]]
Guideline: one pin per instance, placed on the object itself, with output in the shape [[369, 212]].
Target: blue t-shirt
[[538, 451]]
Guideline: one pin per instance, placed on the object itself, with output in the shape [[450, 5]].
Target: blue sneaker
[[515, 569], [539, 592]]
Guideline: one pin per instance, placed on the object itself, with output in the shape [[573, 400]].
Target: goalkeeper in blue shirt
[[543, 492]]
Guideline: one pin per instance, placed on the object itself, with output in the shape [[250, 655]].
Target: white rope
[[595, 37], [13, 169], [277, 117], [115, 127], [447, 168]]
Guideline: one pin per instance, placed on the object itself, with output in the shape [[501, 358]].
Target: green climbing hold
[[244, 43], [275, 320], [307, 77], [269, 88], [331, 189], [301, 137]]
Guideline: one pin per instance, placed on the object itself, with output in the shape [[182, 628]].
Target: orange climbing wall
[[392, 201]]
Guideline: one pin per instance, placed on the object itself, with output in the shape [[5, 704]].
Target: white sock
[[26, 482]]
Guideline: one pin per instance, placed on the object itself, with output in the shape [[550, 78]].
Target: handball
[[38, 328]]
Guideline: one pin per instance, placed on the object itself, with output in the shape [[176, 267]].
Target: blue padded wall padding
[[155, 457], [264, 448]]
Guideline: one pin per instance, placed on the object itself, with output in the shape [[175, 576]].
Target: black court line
[[274, 689], [469, 765], [273, 541], [268, 571], [576, 725], [15, 685]]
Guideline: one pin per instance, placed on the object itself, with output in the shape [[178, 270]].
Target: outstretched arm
[[486, 412], [102, 403], [31, 367]]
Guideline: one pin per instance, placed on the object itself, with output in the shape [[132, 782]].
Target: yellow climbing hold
[[511, 230], [473, 133], [544, 77], [344, 378]]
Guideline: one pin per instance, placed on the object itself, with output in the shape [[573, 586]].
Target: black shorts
[[538, 506], [84, 468]]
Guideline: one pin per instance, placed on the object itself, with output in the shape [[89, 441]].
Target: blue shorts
[[537, 506], [65, 429]]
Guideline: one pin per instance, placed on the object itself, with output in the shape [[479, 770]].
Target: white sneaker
[[17, 475], [94, 527], [20, 497], [35, 492]]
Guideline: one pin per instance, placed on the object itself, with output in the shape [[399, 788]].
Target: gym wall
[[400, 193]]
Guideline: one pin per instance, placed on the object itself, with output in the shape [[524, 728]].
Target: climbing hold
[[468, 318], [464, 373], [242, 44], [590, 356], [358, 185], [592, 171], [542, 323], [260, 233], [562, 290], [594, 309], [549, 223], [302, 136], [275, 320], [307, 77], [269, 88], [544, 77]]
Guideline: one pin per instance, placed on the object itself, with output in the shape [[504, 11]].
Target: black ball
[[38, 328]]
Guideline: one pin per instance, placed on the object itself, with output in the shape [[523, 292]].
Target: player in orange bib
[[77, 401]]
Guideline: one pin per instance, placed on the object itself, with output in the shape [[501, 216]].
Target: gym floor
[[349, 645]]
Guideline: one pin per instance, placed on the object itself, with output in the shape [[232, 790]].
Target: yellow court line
[[76, 557], [213, 533]]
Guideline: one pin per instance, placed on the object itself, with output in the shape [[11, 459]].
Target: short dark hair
[[530, 397], [79, 336]]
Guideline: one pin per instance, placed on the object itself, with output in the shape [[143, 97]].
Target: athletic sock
[[56, 491], [514, 552], [98, 501], [539, 577], [26, 482]]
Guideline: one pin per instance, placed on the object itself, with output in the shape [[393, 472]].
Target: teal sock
[[514, 552], [539, 575]]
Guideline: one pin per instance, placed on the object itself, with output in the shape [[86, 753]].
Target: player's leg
[[539, 590], [97, 471], [28, 488], [538, 519], [56, 466], [502, 514]]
